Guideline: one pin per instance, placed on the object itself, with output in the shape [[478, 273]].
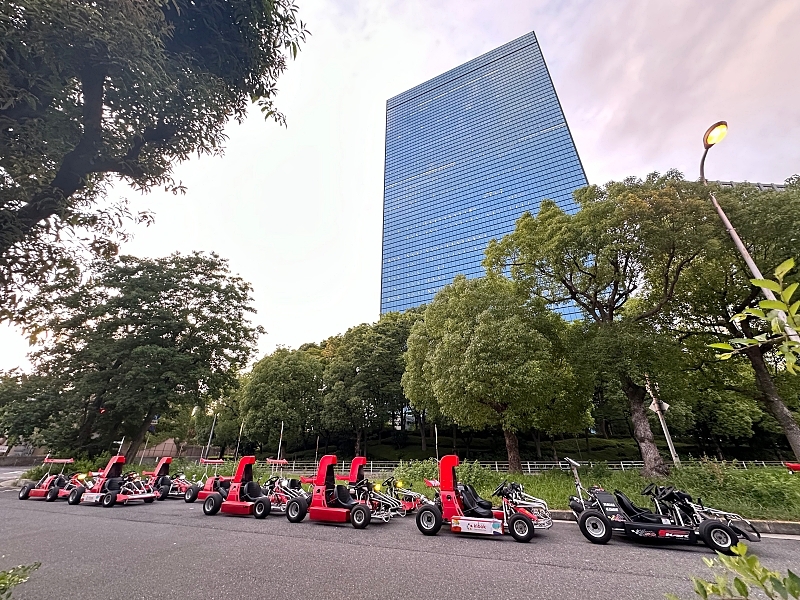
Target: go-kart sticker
[[472, 525]]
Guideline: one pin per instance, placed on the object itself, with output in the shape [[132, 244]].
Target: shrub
[[13, 577]]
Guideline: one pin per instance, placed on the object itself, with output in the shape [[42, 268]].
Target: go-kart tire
[[521, 527], [163, 492], [429, 519], [109, 500], [595, 526], [296, 510], [212, 504], [25, 491], [261, 508], [75, 495], [360, 516], [51, 494], [718, 536], [149, 500], [191, 494]]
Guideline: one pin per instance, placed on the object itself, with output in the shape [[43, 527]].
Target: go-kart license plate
[[473, 525], [91, 497]]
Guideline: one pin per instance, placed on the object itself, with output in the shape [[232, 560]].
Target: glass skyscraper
[[466, 154]]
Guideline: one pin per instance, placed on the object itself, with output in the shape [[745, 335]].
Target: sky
[[298, 210]]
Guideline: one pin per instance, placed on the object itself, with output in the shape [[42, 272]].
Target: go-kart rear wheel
[[163, 492], [25, 491], [150, 500], [110, 499], [212, 504], [521, 527], [75, 495], [360, 516], [51, 494], [429, 519], [296, 510], [595, 526], [718, 536], [191, 493], [262, 508]]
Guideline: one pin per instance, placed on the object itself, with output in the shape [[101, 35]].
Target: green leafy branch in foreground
[[781, 315], [13, 577], [748, 573]]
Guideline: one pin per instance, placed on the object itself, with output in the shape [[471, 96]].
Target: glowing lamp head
[[399, 483], [715, 134], [377, 487]]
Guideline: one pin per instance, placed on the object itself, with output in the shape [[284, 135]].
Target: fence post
[[622, 464]]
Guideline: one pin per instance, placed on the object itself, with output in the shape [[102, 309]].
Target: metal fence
[[373, 467]]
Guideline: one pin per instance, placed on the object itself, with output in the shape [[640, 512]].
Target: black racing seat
[[342, 497], [483, 503], [61, 481], [114, 484], [471, 506], [250, 491], [636, 513], [294, 484]]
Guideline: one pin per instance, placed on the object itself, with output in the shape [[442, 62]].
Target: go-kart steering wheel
[[648, 490], [500, 488]]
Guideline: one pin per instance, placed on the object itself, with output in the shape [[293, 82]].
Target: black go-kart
[[677, 517]]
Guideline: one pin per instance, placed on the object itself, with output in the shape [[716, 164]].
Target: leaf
[[700, 587], [741, 587], [783, 268], [787, 294], [724, 356], [792, 583], [778, 586], [768, 284], [793, 308], [773, 305], [721, 346]]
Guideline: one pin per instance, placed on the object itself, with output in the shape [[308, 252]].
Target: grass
[[768, 493]]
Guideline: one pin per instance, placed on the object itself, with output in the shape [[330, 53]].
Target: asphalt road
[[170, 549]]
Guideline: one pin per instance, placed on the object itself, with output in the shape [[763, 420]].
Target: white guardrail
[[306, 467]]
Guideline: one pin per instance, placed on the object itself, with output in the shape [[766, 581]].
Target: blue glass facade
[[466, 154]]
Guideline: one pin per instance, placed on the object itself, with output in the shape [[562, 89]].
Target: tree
[[717, 288], [91, 90], [618, 259], [488, 357], [140, 338], [285, 386]]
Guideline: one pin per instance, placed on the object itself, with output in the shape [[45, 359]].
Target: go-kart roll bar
[[59, 461], [212, 461]]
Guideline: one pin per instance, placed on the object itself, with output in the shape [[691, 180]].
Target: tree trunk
[[537, 437], [603, 430], [553, 446], [771, 399], [130, 455], [357, 450], [588, 445], [455, 450], [422, 430], [512, 447], [654, 465]]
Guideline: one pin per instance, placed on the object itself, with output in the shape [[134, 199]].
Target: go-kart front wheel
[[718, 536], [51, 494], [521, 527], [296, 510], [191, 493], [429, 519], [595, 526], [110, 499], [75, 495], [212, 504], [163, 492], [25, 491], [261, 508], [360, 516]]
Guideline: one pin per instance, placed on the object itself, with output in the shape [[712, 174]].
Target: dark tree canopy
[[91, 90]]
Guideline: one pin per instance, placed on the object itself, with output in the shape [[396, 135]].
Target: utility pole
[[659, 408]]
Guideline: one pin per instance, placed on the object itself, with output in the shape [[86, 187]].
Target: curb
[[782, 527], [15, 483]]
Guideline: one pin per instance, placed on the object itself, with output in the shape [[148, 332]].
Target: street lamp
[[715, 134]]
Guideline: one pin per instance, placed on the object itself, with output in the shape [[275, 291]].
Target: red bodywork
[[234, 503], [793, 467], [212, 483], [108, 478], [325, 481], [452, 505], [57, 480], [178, 485]]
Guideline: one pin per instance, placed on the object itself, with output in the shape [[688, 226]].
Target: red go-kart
[[245, 496], [208, 485], [330, 502], [793, 468], [465, 511], [163, 484], [51, 486], [113, 487]]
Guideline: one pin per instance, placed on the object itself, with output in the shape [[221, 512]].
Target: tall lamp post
[[715, 134]]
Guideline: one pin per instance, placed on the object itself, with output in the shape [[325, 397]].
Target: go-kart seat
[[483, 503], [294, 484], [114, 484], [636, 513], [250, 491], [471, 506], [342, 497]]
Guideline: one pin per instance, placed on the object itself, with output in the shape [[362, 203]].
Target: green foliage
[[13, 577], [418, 470], [141, 338], [781, 317], [748, 573], [122, 89]]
